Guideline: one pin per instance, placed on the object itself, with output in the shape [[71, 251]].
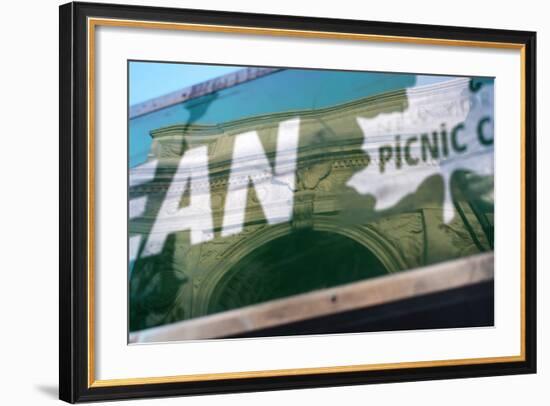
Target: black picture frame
[[74, 382]]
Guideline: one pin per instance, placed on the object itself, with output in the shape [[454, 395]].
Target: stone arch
[[373, 241]]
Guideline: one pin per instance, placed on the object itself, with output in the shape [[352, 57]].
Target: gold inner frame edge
[[92, 23]]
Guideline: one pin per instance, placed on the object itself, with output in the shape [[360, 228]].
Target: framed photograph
[[255, 202]]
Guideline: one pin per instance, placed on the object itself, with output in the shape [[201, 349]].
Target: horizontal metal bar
[[199, 89]]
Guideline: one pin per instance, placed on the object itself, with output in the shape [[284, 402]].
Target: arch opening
[[295, 263]]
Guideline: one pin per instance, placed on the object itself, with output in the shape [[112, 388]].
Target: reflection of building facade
[[334, 234]]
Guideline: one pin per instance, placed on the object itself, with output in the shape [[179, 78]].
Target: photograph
[[252, 202], [270, 201], [275, 203]]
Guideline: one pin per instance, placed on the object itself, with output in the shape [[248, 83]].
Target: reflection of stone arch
[[373, 241]]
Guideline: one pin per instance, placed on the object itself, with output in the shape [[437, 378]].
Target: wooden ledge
[[359, 295]]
